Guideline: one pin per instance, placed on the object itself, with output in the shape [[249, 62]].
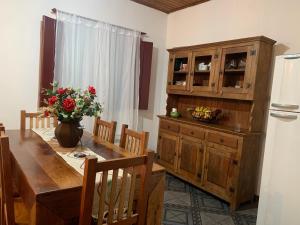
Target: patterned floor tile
[[216, 219], [177, 198], [185, 204], [177, 216]]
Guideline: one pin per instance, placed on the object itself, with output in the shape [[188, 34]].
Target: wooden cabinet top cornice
[[229, 42]]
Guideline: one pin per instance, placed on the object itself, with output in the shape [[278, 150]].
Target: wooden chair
[[2, 130], [13, 210], [133, 141], [118, 212], [105, 131], [37, 120]]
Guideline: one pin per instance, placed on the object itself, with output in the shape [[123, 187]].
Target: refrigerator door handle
[[292, 57], [285, 106], [284, 116]]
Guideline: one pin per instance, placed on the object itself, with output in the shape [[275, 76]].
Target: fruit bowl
[[205, 114]]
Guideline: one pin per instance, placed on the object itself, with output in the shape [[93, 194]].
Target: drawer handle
[[192, 133], [168, 127], [222, 140]]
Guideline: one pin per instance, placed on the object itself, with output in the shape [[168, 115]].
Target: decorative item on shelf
[[209, 66], [203, 67], [238, 84], [206, 114], [183, 67], [177, 65], [232, 64], [69, 106], [242, 63], [174, 113], [180, 82]]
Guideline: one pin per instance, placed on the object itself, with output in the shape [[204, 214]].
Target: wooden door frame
[[200, 148], [225, 193], [231, 50], [171, 137], [214, 64], [172, 58]]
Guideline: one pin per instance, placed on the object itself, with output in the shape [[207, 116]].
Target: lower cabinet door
[[167, 150], [190, 159], [219, 172]]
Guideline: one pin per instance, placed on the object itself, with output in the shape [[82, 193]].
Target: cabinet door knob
[[213, 84], [192, 132], [222, 140], [248, 85], [199, 175]]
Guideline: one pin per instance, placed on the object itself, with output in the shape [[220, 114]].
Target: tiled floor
[[187, 205]]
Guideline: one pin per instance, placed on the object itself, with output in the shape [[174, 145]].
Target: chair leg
[[21, 213]]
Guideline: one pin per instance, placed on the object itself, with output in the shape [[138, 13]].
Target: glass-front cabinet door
[[235, 71], [179, 71], [203, 70]]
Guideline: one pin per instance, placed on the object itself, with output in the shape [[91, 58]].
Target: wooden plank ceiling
[[169, 6]]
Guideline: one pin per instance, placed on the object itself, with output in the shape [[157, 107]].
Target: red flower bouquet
[[69, 104]]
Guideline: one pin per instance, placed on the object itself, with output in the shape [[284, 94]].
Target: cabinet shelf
[[202, 71], [234, 70], [180, 72]]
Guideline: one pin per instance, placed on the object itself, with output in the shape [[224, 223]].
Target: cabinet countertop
[[216, 127]]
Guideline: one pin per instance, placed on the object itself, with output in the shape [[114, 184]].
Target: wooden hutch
[[221, 158]]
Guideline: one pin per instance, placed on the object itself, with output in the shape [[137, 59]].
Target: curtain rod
[[54, 11]]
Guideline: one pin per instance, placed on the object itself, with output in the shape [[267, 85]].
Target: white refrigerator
[[279, 202]]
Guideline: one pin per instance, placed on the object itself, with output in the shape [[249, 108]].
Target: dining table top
[[45, 171]]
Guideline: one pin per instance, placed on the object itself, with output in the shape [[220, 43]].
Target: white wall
[[20, 45], [220, 20]]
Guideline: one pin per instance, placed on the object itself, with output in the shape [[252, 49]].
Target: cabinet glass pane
[[202, 70], [180, 71], [234, 71]]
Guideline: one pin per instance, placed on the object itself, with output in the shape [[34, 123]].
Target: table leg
[[40, 215], [33, 215]]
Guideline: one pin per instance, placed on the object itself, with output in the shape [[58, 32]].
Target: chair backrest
[[7, 201], [115, 201], [37, 120], [105, 131], [2, 130], [133, 141]]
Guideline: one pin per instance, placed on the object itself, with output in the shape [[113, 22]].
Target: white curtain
[[94, 53]]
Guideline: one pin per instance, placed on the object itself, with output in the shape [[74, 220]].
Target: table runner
[[67, 154]]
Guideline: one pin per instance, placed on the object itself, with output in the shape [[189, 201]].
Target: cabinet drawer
[[229, 141], [193, 132], [169, 126]]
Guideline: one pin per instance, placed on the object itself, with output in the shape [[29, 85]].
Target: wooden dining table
[[51, 189]]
